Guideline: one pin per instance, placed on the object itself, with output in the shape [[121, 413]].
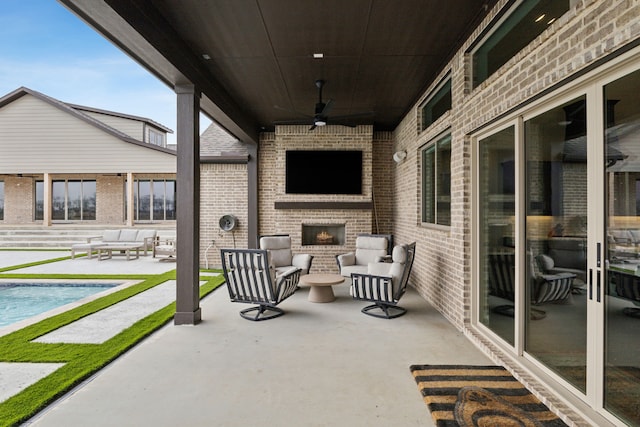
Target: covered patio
[[318, 365]]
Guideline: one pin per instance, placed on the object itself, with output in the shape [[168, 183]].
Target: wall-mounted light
[[399, 156]]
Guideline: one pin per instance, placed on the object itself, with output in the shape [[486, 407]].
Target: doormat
[[465, 396]]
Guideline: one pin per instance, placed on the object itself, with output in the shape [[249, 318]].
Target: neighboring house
[[77, 165], [68, 164]]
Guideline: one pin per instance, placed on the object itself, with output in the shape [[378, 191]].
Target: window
[[156, 138], [438, 103], [526, 21], [154, 200], [1, 200], [73, 200], [436, 181], [38, 208]]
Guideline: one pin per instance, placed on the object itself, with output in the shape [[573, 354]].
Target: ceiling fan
[[321, 115]]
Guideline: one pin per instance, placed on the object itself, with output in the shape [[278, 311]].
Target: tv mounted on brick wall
[[323, 172]]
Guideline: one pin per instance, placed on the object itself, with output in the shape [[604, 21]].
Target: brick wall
[[223, 191], [110, 200], [18, 199], [377, 161], [589, 31]]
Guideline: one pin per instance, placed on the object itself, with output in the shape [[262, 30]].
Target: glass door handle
[[591, 284]]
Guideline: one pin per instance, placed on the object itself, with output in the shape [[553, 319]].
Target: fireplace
[[323, 234]]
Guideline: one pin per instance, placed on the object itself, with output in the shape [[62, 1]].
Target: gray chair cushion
[[111, 236], [128, 235]]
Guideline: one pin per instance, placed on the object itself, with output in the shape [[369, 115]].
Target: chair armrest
[[557, 276], [287, 283], [346, 259]]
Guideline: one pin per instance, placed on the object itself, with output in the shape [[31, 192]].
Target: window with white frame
[[156, 138], [436, 181], [525, 21], [437, 104], [154, 199], [73, 200], [38, 207]]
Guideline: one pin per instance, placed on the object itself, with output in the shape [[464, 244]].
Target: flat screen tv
[[323, 172]]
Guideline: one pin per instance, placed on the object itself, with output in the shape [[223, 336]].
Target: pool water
[[19, 301]]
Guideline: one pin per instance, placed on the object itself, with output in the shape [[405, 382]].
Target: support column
[[252, 203], [130, 205], [188, 206], [46, 202]]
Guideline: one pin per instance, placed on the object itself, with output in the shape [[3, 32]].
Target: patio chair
[[251, 279], [282, 258], [544, 287], [385, 283], [164, 248], [369, 248]]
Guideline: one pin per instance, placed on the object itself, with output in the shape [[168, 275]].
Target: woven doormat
[[464, 396]]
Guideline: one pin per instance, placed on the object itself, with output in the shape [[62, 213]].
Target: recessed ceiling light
[[318, 55], [541, 17], [206, 56], [551, 21]]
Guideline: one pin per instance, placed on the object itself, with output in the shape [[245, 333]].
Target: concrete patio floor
[[318, 365]]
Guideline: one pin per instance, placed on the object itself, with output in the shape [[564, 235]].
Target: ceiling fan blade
[[327, 108], [312, 127]]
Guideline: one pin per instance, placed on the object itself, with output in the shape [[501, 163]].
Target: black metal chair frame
[[249, 280], [376, 289]]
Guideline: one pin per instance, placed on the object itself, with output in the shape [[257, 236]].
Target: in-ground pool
[[19, 301]]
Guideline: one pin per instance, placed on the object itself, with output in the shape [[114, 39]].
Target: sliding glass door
[[557, 240], [497, 210], [622, 291]]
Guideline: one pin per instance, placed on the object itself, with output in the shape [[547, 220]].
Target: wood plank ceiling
[[379, 55]]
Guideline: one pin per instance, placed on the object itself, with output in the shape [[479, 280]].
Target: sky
[[45, 47]]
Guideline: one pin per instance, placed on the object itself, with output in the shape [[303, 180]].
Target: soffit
[[379, 55]]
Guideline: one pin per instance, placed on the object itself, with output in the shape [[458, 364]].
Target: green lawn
[[81, 360]]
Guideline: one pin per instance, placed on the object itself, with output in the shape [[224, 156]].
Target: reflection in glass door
[[556, 233], [497, 278], [622, 295]]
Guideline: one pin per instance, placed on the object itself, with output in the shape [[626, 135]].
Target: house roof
[[68, 108], [121, 115], [219, 146]]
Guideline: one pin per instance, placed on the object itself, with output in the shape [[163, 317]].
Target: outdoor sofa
[[145, 237]]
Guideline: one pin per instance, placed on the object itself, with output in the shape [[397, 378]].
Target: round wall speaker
[[228, 222]]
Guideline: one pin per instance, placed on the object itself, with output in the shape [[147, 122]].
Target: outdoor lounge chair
[[252, 280], [165, 248], [385, 283], [369, 248], [282, 258]]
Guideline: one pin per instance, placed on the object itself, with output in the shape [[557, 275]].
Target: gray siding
[[133, 128], [36, 137]]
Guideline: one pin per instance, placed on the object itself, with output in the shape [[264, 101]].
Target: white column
[[46, 205], [130, 205]]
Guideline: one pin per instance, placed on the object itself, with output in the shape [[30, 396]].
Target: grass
[[80, 360]]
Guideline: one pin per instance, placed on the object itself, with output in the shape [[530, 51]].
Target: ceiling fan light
[[320, 122]]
